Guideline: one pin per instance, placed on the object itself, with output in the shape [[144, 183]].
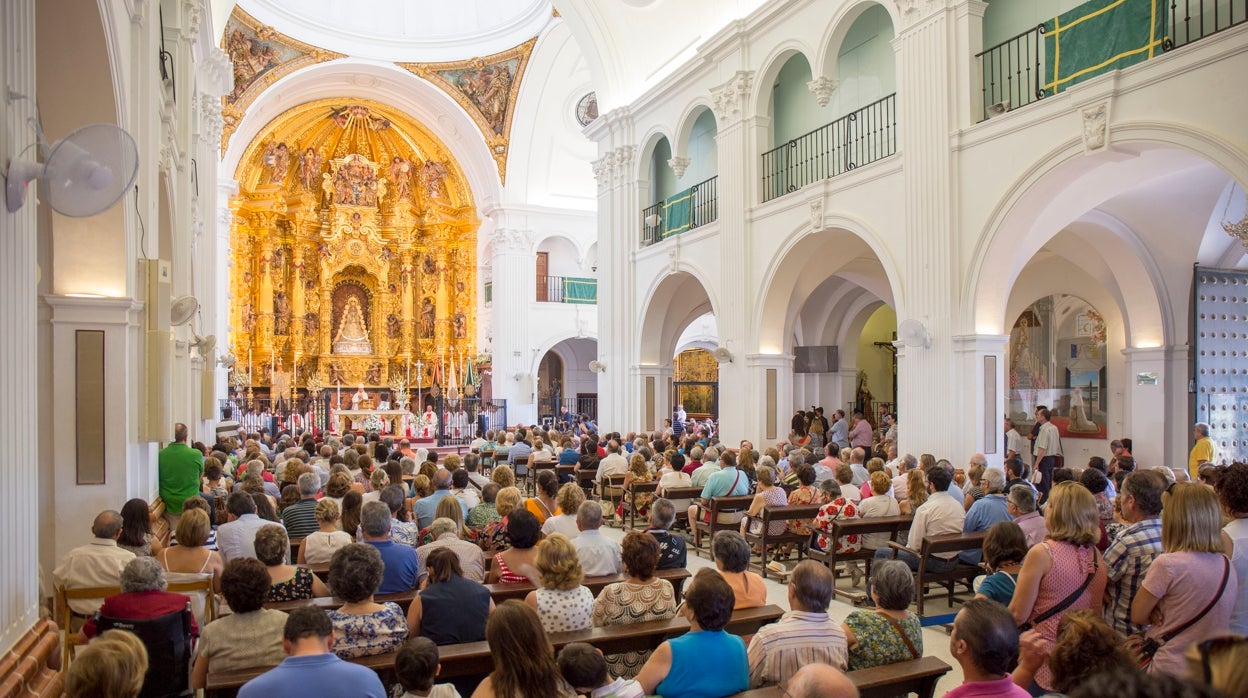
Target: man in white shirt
[[941, 514], [237, 537], [444, 534], [1013, 440], [901, 483], [613, 464], [1047, 448], [599, 555], [96, 564]]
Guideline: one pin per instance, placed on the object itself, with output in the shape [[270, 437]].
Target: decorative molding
[[816, 214], [512, 240], [210, 120], [486, 88], [260, 56], [604, 168], [915, 11], [624, 157], [1095, 127], [730, 99], [822, 88], [678, 165]]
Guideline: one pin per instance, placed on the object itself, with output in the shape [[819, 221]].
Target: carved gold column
[[407, 288]]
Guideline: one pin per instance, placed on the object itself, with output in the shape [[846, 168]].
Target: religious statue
[[461, 325], [352, 336], [248, 317], [373, 375], [281, 313], [335, 373], [427, 314], [311, 323], [401, 173], [277, 162], [310, 168], [433, 176], [392, 326]]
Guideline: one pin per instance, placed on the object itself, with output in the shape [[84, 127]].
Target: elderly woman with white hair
[[142, 597]]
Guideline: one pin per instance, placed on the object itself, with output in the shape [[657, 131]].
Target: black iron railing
[[1013, 72], [549, 413], [858, 138], [1191, 20], [549, 289], [567, 289], [686, 210]]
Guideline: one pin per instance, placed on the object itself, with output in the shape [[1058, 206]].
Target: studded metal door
[[1220, 343]]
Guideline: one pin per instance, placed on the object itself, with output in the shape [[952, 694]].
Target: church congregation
[[1109, 590]]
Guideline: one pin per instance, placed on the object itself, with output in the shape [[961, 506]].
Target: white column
[[926, 375], [513, 290], [769, 383], [848, 387], [736, 299], [19, 545], [656, 394], [980, 398], [1147, 386]]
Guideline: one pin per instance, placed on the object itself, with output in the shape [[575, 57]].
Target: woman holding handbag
[[1063, 573], [1189, 590]]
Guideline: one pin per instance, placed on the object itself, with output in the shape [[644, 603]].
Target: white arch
[[649, 142], [1033, 205], [666, 312], [684, 127], [765, 78], [838, 29], [550, 342], [381, 82]]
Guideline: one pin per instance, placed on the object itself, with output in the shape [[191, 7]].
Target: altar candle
[[409, 372]]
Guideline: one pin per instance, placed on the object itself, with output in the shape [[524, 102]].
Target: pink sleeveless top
[[1071, 566]]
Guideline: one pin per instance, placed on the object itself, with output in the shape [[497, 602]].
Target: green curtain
[[580, 291], [1099, 36], [677, 213], [489, 291]]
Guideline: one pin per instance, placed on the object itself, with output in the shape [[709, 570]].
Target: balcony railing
[[1013, 72], [858, 138], [567, 289], [682, 211], [1191, 20]]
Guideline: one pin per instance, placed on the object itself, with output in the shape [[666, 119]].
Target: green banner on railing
[[677, 213], [1099, 36], [580, 291]]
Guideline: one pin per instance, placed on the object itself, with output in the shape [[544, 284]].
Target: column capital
[[512, 241], [915, 11], [731, 99], [679, 165], [980, 342], [822, 88]]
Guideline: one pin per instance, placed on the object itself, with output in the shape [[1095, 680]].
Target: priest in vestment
[[359, 395], [430, 429]]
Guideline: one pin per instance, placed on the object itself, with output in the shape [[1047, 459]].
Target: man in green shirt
[[181, 469]]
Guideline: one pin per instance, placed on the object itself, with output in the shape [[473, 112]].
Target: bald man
[[821, 681], [96, 564]]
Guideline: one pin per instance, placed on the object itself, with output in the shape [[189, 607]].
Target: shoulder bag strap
[[1226, 573], [914, 651], [1066, 602]]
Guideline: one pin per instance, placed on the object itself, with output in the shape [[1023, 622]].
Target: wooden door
[[543, 266]]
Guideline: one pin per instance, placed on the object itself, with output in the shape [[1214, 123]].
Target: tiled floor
[[935, 639]]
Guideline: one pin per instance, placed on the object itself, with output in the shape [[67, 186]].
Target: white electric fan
[[83, 174], [912, 333]]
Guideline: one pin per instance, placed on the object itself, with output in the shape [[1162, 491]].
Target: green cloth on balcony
[[677, 213], [1099, 36], [580, 291]]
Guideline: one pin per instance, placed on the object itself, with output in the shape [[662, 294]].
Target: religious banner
[[580, 291], [677, 213], [1099, 36]]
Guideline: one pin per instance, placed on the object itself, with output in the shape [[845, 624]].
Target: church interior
[[435, 220]]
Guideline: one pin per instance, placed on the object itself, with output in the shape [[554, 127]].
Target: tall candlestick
[[409, 372]]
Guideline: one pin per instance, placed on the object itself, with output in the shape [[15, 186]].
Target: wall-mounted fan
[[912, 333], [183, 310], [83, 174], [723, 355], [597, 366]]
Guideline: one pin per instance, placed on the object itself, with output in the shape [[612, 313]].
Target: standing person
[[1013, 440], [860, 433], [1202, 451], [180, 471], [1233, 495], [1065, 572], [1189, 590], [1048, 450], [839, 435], [1128, 557], [308, 640]]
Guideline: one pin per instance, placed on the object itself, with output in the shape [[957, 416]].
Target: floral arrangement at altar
[[371, 424]]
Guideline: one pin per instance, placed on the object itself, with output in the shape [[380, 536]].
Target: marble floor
[[935, 639]]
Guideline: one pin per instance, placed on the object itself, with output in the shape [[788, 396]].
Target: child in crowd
[[417, 666], [585, 669]]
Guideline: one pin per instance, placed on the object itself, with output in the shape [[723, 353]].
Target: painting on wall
[[1057, 359]]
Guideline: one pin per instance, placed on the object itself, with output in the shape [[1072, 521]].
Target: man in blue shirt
[[986, 511], [727, 482], [308, 640], [425, 507], [402, 569]]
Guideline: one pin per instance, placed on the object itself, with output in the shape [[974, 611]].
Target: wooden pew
[[902, 678], [160, 526], [677, 496], [534, 469], [891, 525], [610, 492], [786, 514], [950, 543], [634, 489], [498, 592], [474, 658], [719, 505]]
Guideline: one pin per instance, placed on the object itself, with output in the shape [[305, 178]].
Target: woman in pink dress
[[1067, 561]]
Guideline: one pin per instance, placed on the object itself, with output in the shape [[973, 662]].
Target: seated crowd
[[1119, 572]]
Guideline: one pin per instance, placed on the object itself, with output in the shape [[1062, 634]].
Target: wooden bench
[[160, 526], [634, 489], [892, 525], [534, 469], [785, 513], [677, 496], [24, 667], [949, 543], [610, 493], [902, 678], [474, 658], [498, 592], [719, 505]]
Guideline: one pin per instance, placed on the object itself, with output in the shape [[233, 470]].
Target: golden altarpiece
[[353, 252]]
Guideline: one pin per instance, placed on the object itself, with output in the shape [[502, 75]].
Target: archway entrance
[[696, 384], [566, 387]]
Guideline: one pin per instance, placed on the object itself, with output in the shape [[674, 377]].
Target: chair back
[[64, 615], [168, 642], [203, 586]]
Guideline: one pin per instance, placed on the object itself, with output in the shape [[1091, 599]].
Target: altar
[[353, 420]]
